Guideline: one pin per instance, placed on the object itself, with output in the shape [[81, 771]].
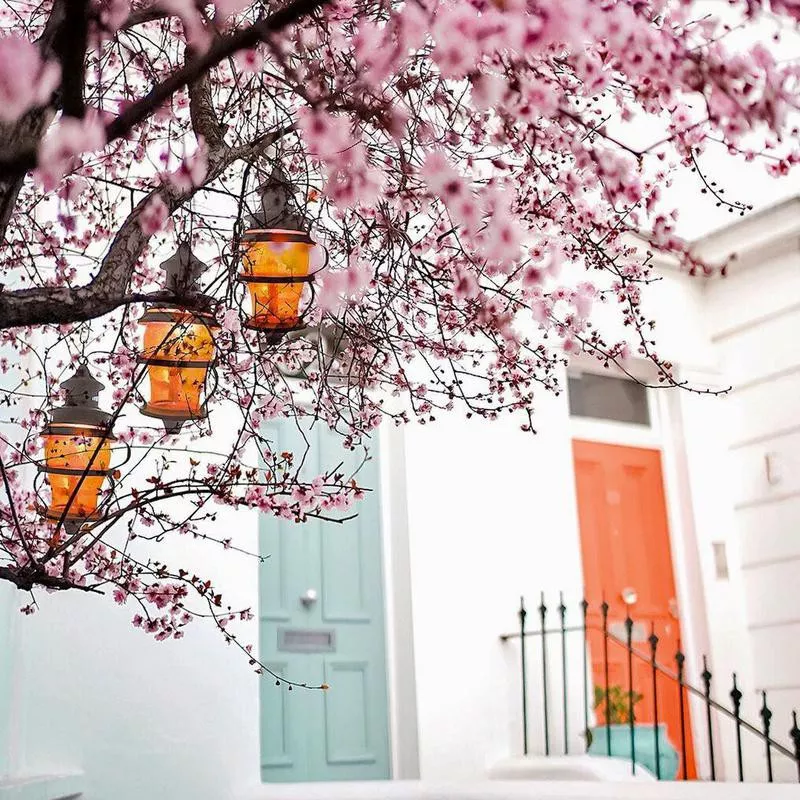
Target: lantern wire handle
[[325, 262], [83, 338]]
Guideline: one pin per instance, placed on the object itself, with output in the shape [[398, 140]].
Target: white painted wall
[[754, 322]]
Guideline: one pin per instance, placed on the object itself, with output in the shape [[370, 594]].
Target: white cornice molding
[[754, 239]]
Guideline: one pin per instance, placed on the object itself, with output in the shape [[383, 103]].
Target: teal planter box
[[645, 745]]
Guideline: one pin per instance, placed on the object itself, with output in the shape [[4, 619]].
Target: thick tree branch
[[142, 15], [30, 127], [71, 45], [58, 305], [26, 578], [203, 115]]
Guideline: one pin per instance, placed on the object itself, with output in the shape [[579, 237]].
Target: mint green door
[[322, 621]]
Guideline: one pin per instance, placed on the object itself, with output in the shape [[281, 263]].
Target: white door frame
[[665, 434], [400, 662]]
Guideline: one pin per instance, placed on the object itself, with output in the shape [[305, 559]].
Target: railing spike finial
[[545, 704], [562, 613], [766, 717], [653, 640], [585, 613], [736, 697], [604, 611], [680, 659], [706, 676], [795, 734], [522, 613], [631, 720]]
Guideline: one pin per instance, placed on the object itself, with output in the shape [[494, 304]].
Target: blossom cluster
[[469, 166]]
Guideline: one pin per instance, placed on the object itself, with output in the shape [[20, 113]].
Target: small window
[[720, 560], [603, 397]]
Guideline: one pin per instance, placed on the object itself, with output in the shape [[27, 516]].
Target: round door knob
[[629, 596], [309, 598]]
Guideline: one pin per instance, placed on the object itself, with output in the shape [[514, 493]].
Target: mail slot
[[638, 631], [302, 640]]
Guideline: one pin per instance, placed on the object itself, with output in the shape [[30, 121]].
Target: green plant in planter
[[612, 736], [619, 704]]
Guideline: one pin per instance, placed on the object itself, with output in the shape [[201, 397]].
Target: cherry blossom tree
[[466, 163]]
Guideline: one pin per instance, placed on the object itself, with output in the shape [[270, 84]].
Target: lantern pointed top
[[81, 392], [278, 206], [82, 388], [183, 270]]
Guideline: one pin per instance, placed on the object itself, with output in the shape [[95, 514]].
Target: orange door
[[626, 555]]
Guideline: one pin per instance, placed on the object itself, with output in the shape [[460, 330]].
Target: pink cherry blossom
[[339, 287], [26, 80], [791, 7], [441, 178], [192, 170], [250, 60], [195, 29], [465, 284], [231, 321], [113, 14], [64, 143], [487, 90], [154, 216], [227, 8]]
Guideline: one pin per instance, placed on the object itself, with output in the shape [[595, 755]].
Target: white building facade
[[474, 515]]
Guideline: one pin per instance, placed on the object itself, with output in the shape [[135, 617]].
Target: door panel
[[345, 595], [351, 743], [335, 637], [626, 548]]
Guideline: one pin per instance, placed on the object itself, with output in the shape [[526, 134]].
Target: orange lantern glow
[[77, 452], [179, 349], [275, 267], [179, 346]]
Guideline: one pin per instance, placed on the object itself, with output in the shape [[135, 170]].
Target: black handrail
[[677, 676]]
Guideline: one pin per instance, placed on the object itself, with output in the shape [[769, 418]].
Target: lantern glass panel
[[177, 389], [276, 305], [86, 448]]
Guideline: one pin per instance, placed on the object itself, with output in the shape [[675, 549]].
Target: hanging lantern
[[179, 349], [276, 262], [77, 452], [328, 352], [276, 267]]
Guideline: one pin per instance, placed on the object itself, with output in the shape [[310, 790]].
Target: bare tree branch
[[16, 163], [142, 15], [26, 579]]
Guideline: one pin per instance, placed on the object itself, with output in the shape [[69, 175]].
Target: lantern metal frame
[[273, 334], [78, 420], [331, 341], [173, 422], [72, 523]]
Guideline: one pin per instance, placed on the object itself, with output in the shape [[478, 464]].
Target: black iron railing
[[658, 672]]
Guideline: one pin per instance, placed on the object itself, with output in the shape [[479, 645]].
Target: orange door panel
[[626, 553]]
